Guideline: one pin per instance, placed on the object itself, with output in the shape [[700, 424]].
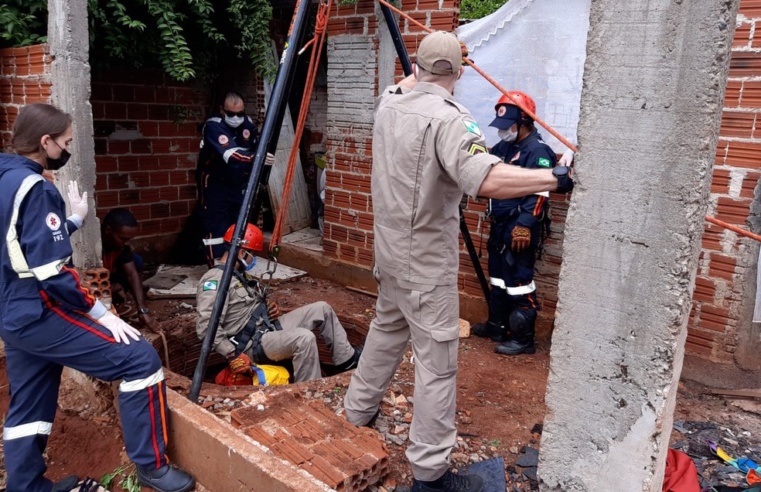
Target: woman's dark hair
[[34, 121], [118, 218]]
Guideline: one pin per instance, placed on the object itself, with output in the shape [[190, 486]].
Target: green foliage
[[186, 38], [23, 22], [127, 476], [475, 9]]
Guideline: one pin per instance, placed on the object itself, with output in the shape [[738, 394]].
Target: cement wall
[[650, 112]]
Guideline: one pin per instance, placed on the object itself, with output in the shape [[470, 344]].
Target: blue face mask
[[248, 266]]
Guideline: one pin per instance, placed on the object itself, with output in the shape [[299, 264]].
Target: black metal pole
[[401, 51], [277, 99]]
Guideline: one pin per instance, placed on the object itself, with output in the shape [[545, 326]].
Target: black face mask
[[56, 164]]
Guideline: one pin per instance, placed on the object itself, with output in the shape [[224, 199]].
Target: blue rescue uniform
[[224, 166], [48, 321], [512, 273]]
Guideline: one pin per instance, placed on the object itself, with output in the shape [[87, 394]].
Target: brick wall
[[146, 146], [24, 79], [722, 290]]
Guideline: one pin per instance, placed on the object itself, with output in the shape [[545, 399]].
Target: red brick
[[732, 211], [737, 124], [742, 35], [705, 290], [722, 266], [744, 154], [720, 181], [750, 8], [732, 94], [756, 42], [115, 111], [751, 93], [744, 64], [750, 183], [721, 152]]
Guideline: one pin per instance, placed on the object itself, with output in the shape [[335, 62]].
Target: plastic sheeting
[[534, 46]]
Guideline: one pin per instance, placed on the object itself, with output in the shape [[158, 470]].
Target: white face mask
[[234, 121], [507, 135]]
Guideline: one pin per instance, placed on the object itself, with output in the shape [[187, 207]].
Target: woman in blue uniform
[[48, 321]]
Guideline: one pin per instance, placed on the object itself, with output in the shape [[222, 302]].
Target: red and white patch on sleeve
[[223, 140], [516, 157], [246, 134], [53, 221]]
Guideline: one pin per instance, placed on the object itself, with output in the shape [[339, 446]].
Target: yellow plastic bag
[[266, 375]]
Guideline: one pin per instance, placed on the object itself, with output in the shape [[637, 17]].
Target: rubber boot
[[165, 479], [352, 363], [495, 331], [521, 323]]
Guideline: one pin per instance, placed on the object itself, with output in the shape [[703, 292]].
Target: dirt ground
[[500, 401]]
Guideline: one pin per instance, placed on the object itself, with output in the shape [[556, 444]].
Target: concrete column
[[650, 111], [70, 75]]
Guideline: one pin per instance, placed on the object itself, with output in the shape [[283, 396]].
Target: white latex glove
[[566, 159], [269, 160], [78, 203], [121, 331]]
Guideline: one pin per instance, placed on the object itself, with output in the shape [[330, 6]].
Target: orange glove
[[464, 51], [241, 364], [273, 310], [521, 238]]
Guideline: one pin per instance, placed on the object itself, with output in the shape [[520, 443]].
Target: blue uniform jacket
[[35, 251], [531, 153], [227, 153]]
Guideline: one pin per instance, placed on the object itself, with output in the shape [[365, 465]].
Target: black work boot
[[515, 347], [352, 363], [165, 479], [495, 331], [450, 482]]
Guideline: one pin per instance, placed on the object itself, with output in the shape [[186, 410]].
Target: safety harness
[[258, 324]]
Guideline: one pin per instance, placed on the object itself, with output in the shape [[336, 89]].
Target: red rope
[[316, 42]]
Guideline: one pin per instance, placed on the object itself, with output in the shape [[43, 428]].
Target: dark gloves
[[241, 364], [521, 239]]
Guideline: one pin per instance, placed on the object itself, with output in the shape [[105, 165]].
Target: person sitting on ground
[[118, 228], [251, 328]]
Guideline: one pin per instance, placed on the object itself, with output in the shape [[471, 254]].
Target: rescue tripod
[[267, 142]]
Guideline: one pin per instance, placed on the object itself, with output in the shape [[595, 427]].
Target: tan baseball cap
[[439, 46]]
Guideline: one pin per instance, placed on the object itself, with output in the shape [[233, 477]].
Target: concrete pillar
[[650, 111], [70, 75]]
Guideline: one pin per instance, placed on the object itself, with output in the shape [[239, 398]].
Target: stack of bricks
[[315, 439], [24, 79], [722, 285]]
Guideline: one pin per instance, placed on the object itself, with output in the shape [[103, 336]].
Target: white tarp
[[534, 46]]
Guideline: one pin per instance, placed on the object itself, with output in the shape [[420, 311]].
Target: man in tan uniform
[[251, 328], [427, 151]]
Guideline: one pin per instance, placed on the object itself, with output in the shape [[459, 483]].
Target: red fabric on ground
[[227, 378], [681, 474]]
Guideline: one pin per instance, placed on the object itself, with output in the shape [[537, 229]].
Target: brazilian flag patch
[[543, 162], [472, 127], [476, 149], [210, 285]]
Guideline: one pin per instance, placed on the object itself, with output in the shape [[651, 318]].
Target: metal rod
[[271, 123], [401, 51]]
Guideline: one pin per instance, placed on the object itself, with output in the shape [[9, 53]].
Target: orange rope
[[317, 42], [493, 82], [736, 229]]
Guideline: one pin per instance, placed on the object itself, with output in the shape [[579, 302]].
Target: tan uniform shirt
[[427, 151], [241, 303]]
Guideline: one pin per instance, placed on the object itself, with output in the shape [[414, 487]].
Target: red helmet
[[521, 97], [253, 239]]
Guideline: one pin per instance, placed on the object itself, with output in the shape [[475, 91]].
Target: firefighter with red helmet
[[517, 227], [252, 330]]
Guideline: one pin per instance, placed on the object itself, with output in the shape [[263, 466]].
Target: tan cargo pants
[[430, 316], [297, 341]]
